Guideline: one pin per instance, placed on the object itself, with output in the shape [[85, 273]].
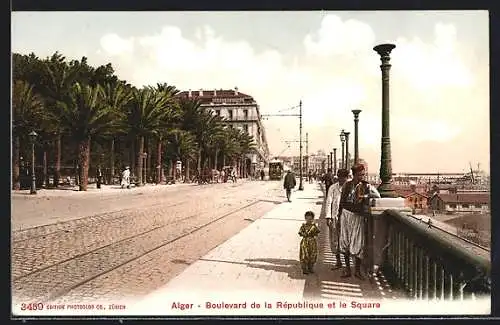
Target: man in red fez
[[353, 208]]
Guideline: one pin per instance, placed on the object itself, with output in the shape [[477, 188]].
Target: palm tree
[[168, 124], [85, 115], [148, 112], [116, 97], [26, 110], [56, 80]]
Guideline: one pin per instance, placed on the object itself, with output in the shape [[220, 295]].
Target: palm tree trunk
[[174, 169], [57, 174], [215, 158], [158, 162], [16, 183], [132, 154], [140, 160], [199, 161], [112, 162], [45, 176], [83, 162], [186, 178], [223, 160], [149, 159]]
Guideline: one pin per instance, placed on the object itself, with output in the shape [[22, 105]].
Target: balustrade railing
[[429, 263]]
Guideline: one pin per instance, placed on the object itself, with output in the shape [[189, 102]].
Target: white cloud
[[337, 37], [338, 72], [427, 66], [115, 45]]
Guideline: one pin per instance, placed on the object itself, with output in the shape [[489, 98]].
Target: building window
[[245, 114], [453, 206], [477, 206], [217, 112], [465, 206], [230, 114]]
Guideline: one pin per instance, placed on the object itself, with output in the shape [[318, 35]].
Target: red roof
[[465, 198], [209, 94]]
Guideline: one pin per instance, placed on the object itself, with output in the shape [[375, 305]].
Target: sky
[[439, 80]]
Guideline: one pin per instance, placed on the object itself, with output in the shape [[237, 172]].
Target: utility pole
[[307, 152], [301, 186]]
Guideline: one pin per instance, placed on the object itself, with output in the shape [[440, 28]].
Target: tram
[[276, 169]]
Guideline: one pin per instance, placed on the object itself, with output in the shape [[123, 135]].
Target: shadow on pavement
[[290, 267]]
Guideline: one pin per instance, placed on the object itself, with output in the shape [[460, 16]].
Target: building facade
[[240, 111], [463, 202]]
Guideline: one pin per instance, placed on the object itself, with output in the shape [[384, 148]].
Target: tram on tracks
[[276, 169]]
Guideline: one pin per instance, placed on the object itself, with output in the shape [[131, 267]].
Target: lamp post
[[307, 153], [342, 139], [330, 165], [356, 148], [301, 186], [347, 149], [334, 161], [385, 188], [33, 136]]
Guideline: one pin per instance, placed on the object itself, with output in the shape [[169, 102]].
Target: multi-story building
[[240, 111], [463, 202]]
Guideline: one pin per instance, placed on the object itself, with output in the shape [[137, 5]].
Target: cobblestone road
[[125, 250]]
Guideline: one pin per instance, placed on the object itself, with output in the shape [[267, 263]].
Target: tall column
[[385, 188], [331, 159], [356, 148], [342, 140], [301, 186], [347, 162], [307, 153], [334, 161]]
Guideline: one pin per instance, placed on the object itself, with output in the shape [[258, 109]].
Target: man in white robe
[[126, 177], [354, 208], [332, 209]]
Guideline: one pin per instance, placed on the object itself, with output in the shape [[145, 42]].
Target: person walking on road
[[262, 174], [332, 218], [354, 206], [308, 245], [126, 177], [289, 184], [328, 179]]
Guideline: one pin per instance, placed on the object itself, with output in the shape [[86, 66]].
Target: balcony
[[241, 119]]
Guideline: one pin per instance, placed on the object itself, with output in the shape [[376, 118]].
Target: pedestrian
[[332, 214], [308, 245], [126, 177], [328, 179], [289, 184], [353, 209], [262, 174]]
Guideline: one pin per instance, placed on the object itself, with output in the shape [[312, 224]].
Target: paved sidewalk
[[261, 264]]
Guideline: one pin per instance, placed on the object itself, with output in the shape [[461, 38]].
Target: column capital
[[384, 50]]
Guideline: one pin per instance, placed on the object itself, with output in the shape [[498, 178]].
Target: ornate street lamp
[[347, 149], [33, 136], [356, 148], [342, 139], [385, 188]]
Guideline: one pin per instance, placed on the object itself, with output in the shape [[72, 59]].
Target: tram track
[[65, 290], [65, 275], [69, 225]]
